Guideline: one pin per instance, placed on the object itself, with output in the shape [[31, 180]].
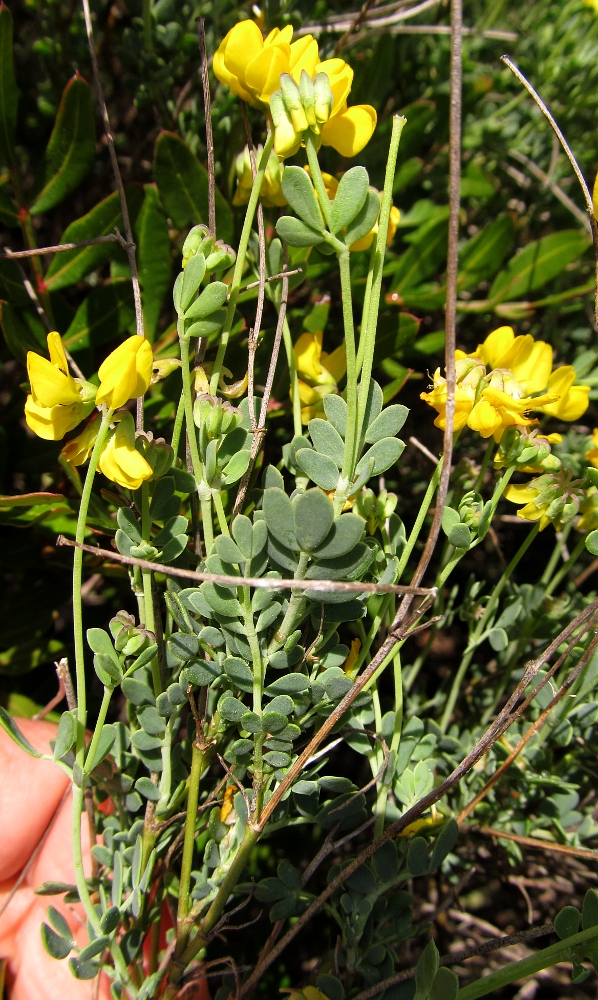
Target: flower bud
[[291, 96], [220, 257], [162, 368], [323, 97], [216, 416], [286, 140], [470, 509], [199, 240], [157, 453], [306, 90]]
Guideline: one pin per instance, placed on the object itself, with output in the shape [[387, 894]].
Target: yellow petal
[[340, 77], [308, 395], [241, 45], [336, 362], [56, 351], [484, 418], [52, 422], [49, 385], [523, 493], [532, 366], [495, 346], [262, 74], [303, 56], [307, 353], [78, 449], [120, 461], [573, 401], [393, 222], [351, 130], [126, 373], [366, 241]]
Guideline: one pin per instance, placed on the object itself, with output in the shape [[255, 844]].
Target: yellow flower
[[553, 498], [319, 372], [78, 450], [347, 130], [251, 66], [353, 656], [572, 400], [469, 373], [271, 192], [52, 422], [529, 360], [502, 404], [592, 454], [126, 373], [120, 461], [58, 402]]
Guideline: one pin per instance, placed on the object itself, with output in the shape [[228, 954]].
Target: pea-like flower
[[57, 402], [319, 372], [251, 66], [120, 461], [554, 498], [78, 450], [572, 399], [271, 192], [529, 360], [469, 373], [502, 404], [126, 373]]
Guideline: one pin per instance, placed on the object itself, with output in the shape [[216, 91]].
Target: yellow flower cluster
[[58, 402], [502, 381], [252, 67], [271, 192], [554, 498], [319, 372]]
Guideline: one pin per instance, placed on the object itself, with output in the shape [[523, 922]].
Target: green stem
[[191, 432], [372, 633], [146, 575], [293, 378], [398, 124], [206, 520], [365, 312], [219, 508], [481, 626], [419, 521], [316, 176], [512, 973], [90, 911], [148, 41], [178, 425], [77, 578], [487, 456], [562, 573], [344, 263], [559, 542], [294, 610], [93, 746], [197, 767], [383, 789], [240, 262]]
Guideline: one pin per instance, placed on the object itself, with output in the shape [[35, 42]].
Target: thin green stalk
[[146, 575], [148, 41], [316, 176], [562, 573], [206, 520], [512, 973], [294, 610], [187, 393], [487, 456], [178, 424], [197, 767], [419, 521], [383, 790], [90, 911], [398, 124], [293, 377], [559, 542], [481, 626], [373, 631], [77, 577], [365, 312], [235, 285], [93, 746], [219, 508], [344, 263]]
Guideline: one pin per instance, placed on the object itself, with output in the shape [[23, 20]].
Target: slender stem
[[219, 508], [577, 551], [188, 396], [206, 519], [365, 312], [316, 176], [77, 576], [146, 575], [197, 767], [293, 377], [481, 626], [93, 746], [398, 124], [178, 425], [240, 262], [344, 263], [395, 740], [294, 610], [372, 633], [487, 456], [148, 41], [419, 521], [559, 542]]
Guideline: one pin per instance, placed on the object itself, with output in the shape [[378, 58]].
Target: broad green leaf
[[335, 409], [70, 266], [9, 94], [327, 440], [278, 512], [349, 198], [343, 536], [395, 341], [365, 219], [296, 233], [445, 985], [417, 857], [313, 515], [426, 297], [66, 735], [153, 258], [299, 192], [482, 255], [537, 263], [445, 842], [236, 467], [422, 259], [385, 453], [387, 424], [183, 185], [30, 500], [566, 922], [71, 150], [427, 967], [212, 298], [56, 945], [459, 535], [105, 314], [320, 468], [11, 729]]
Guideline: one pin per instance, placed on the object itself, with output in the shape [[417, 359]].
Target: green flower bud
[[323, 97], [216, 417], [291, 96], [196, 241], [157, 453], [306, 90], [220, 258]]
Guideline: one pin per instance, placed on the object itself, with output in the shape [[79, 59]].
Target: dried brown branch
[[541, 845], [130, 245], [554, 187], [273, 277], [40, 251], [570, 156], [265, 583], [503, 721], [355, 24]]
